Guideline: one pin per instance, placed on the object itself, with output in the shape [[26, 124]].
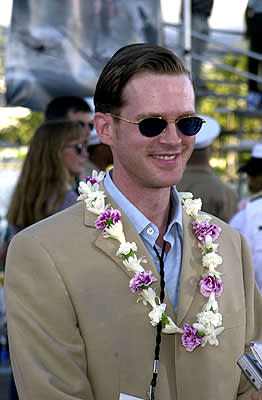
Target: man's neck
[[156, 209], [152, 203]]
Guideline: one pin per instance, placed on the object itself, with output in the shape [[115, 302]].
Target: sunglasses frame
[[90, 124], [175, 121], [78, 147]]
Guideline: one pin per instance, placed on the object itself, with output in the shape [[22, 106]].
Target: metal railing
[[214, 53]]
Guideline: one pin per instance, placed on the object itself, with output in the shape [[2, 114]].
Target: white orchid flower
[[203, 217], [126, 247], [134, 264], [206, 247], [149, 296], [208, 240], [185, 195], [211, 338], [211, 260], [213, 272], [192, 207], [86, 188], [96, 203], [219, 330], [98, 175], [212, 304], [156, 314], [200, 327], [171, 328], [116, 231], [210, 334], [209, 319]]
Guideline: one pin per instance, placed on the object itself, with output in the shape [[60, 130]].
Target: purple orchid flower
[[107, 218], [92, 180], [141, 280], [189, 338], [203, 229], [210, 284]]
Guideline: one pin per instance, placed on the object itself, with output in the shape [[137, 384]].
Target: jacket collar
[[191, 268]]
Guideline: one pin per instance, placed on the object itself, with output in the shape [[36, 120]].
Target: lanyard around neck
[[162, 296]]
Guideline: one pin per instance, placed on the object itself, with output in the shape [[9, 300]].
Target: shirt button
[[150, 230]]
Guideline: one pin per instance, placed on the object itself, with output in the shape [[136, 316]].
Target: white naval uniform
[[249, 222]]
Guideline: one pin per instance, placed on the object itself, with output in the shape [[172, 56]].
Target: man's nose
[[171, 134]]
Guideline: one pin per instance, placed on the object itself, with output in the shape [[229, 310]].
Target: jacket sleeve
[[253, 300], [47, 351]]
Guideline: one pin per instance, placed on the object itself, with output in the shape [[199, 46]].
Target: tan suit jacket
[[77, 332]]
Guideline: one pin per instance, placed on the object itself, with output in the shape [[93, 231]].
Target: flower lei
[[209, 320]]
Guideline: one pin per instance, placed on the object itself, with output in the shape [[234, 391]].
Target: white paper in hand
[[124, 396], [256, 348]]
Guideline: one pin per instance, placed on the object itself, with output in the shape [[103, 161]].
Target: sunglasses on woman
[[79, 147], [153, 126], [89, 124]]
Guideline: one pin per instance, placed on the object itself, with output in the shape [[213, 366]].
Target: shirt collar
[[138, 220]]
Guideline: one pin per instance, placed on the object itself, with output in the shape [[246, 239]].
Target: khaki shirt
[[217, 198]]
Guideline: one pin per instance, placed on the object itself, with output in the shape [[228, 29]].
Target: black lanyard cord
[[159, 325]]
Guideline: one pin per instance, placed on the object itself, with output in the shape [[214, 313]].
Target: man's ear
[[104, 127]]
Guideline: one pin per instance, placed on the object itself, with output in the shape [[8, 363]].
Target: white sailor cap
[[209, 131], [253, 166], [257, 151]]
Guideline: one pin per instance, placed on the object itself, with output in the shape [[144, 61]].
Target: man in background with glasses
[[76, 109], [70, 107], [76, 325]]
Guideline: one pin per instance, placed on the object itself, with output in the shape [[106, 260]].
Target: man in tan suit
[[73, 281]]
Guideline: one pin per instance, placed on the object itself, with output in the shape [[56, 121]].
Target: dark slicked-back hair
[[59, 107], [124, 64]]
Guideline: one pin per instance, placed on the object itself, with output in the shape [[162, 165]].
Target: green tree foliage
[[23, 130]]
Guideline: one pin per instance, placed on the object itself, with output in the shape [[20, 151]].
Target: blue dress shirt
[[148, 232]]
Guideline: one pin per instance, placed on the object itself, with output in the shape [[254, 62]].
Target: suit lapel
[[110, 246], [191, 269]]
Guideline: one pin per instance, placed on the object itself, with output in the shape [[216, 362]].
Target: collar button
[[150, 230]]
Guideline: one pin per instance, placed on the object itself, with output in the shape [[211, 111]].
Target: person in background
[[75, 109], [78, 109], [200, 13], [248, 221], [70, 107], [253, 19], [60, 108], [73, 281], [201, 179], [46, 182], [100, 153]]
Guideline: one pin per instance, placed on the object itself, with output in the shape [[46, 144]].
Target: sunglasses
[[89, 124], [153, 126], [79, 147]]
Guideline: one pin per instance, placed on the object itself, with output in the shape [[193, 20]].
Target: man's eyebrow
[[164, 115]]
